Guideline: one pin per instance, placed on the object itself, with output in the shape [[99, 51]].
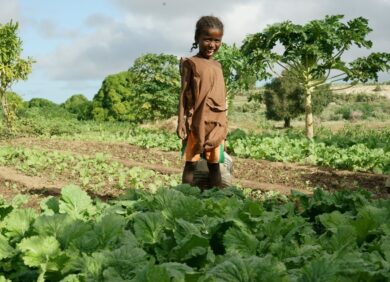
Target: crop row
[[181, 234], [91, 172], [353, 149], [356, 157]]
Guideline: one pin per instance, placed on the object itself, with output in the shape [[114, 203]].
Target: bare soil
[[255, 174]]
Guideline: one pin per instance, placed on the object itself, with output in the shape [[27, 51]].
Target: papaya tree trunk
[[309, 113]]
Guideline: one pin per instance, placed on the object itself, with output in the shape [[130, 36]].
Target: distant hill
[[381, 89]]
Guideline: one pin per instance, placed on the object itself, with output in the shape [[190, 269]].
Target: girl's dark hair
[[203, 24]]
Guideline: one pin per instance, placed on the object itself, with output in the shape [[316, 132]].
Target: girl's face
[[209, 42]]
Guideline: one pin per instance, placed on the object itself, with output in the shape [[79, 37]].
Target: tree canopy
[[237, 72], [41, 103], [284, 98], [114, 100], [314, 54], [79, 105], [149, 90], [157, 86]]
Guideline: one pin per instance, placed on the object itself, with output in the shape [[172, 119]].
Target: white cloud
[[171, 9], [9, 10], [244, 19], [51, 30], [110, 49]]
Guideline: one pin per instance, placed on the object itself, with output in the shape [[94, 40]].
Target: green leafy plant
[[340, 151], [92, 173], [181, 234]]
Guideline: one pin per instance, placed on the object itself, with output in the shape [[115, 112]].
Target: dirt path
[[33, 182], [255, 174]]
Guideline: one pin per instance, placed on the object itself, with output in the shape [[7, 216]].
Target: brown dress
[[203, 103]]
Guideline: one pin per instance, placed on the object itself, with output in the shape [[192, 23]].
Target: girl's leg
[[214, 175], [188, 173]]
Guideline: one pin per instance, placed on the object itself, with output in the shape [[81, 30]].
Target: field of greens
[[180, 234], [353, 148], [161, 231]]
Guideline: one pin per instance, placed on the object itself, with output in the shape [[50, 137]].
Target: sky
[[76, 44]]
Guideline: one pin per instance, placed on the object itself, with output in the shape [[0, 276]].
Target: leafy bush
[[377, 88], [16, 107], [37, 125], [80, 106], [283, 99]]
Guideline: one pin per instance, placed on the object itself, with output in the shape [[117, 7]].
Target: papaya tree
[[314, 53], [12, 67]]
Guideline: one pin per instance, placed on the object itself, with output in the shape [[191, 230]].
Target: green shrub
[[80, 106], [284, 99], [377, 88]]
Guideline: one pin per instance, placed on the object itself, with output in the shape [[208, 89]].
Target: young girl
[[202, 123]]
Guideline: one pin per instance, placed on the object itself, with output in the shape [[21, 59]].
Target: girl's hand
[[181, 130]]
